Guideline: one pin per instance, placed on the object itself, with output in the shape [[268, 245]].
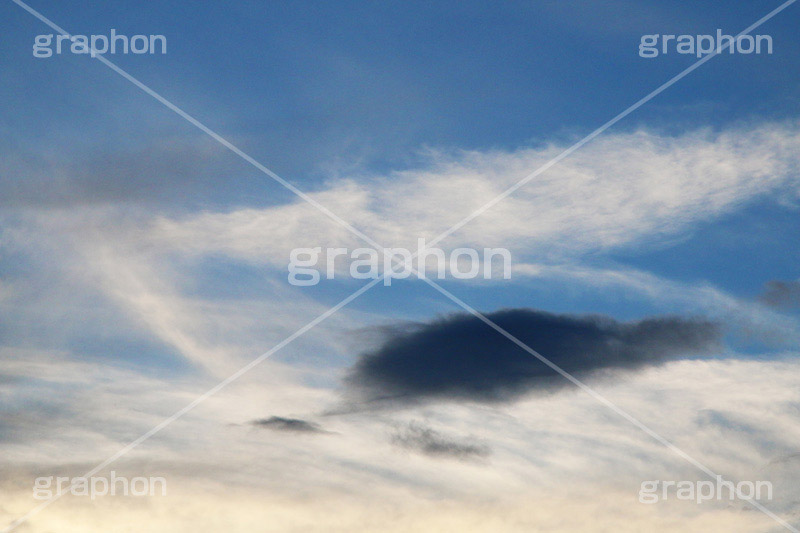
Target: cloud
[[618, 191], [420, 438], [781, 294], [459, 357], [93, 263], [564, 450], [167, 172], [744, 317], [295, 425]]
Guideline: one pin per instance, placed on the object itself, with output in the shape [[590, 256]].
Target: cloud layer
[[147, 277], [619, 190]]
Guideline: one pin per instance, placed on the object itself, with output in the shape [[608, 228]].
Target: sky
[[649, 328]]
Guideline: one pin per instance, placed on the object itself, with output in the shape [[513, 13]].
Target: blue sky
[[381, 81], [315, 89], [135, 251]]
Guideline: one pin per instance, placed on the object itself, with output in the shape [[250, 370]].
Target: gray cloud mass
[[781, 294], [420, 438], [294, 425]]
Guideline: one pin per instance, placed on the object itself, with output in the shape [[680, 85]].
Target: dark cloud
[[460, 357], [164, 172], [295, 425], [781, 294], [423, 439], [789, 458]]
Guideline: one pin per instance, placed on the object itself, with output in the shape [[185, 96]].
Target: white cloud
[[559, 461], [617, 191], [569, 455], [749, 318]]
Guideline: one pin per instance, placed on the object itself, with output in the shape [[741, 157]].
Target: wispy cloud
[[618, 191]]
